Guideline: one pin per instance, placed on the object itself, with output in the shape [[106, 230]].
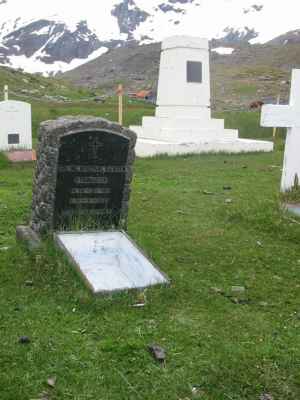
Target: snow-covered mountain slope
[[58, 35]]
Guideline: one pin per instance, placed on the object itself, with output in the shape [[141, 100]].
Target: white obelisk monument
[[182, 122]]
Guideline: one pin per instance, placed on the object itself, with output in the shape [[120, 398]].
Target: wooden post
[[275, 128], [120, 93], [5, 93]]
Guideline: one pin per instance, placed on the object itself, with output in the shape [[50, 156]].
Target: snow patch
[[224, 50], [35, 65], [43, 31]]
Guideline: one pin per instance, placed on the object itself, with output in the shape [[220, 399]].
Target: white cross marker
[[287, 117], [5, 92]]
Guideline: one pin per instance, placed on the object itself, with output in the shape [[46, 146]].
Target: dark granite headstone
[[84, 171]]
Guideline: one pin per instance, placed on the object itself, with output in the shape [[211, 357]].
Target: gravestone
[[84, 171], [81, 195], [15, 129], [287, 116], [15, 126], [183, 122]]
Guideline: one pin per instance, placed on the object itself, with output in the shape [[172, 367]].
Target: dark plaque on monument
[[91, 177], [194, 72], [83, 176]]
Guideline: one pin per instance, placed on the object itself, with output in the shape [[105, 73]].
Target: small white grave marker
[[15, 124], [287, 117]]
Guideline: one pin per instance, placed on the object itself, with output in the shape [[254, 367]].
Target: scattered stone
[[51, 382], [139, 305], [259, 243], [4, 248], [158, 353], [238, 289], [266, 396], [263, 304], [228, 201], [24, 340], [43, 396], [28, 237], [242, 302], [208, 193], [180, 212], [29, 283], [100, 99], [217, 290], [197, 391]]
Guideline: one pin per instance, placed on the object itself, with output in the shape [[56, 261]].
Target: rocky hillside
[[30, 87], [250, 73], [136, 67], [291, 37]]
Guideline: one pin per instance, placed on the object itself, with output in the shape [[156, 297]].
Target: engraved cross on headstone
[[287, 116], [94, 146]]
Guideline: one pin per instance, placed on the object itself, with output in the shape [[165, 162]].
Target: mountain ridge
[[51, 38]]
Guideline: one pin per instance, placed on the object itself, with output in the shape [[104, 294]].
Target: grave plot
[[83, 182]]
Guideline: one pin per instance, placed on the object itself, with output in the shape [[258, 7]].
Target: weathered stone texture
[[44, 191]]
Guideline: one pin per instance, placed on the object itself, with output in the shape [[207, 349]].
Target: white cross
[[287, 117], [5, 92]]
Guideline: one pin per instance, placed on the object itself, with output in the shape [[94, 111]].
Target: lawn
[[220, 345]]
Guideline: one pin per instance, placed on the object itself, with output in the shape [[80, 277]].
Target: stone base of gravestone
[[28, 237]]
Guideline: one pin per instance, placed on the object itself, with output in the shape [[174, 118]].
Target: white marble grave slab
[[110, 261]]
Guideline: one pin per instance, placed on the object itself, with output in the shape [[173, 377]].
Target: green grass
[[133, 111], [97, 346], [247, 122], [244, 88], [37, 86]]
